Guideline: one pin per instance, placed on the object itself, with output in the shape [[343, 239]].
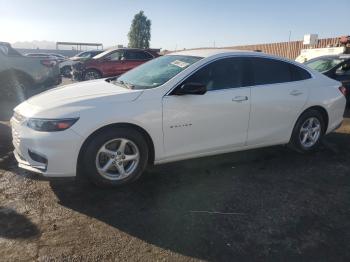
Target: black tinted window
[[221, 74], [298, 73], [269, 71], [137, 55]]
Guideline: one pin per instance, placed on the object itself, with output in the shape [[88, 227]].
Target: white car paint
[[180, 127], [310, 53], [67, 62]]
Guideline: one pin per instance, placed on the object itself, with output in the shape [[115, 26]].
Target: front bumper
[[59, 149]]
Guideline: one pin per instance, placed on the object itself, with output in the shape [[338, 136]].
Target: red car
[[113, 62]]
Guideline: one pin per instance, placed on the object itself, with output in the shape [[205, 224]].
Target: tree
[[140, 31]]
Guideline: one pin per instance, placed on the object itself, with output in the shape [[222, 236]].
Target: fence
[[287, 49]]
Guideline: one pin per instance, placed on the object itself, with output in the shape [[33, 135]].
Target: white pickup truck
[[307, 54]]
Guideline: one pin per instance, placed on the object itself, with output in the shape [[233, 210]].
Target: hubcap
[[310, 132], [117, 159]]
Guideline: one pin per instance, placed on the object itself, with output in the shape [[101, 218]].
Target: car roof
[[129, 49], [341, 56], [37, 54], [212, 51]]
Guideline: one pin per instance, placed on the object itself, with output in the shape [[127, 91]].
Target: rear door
[[279, 93]]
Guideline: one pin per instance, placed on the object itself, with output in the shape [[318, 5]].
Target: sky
[[176, 24]]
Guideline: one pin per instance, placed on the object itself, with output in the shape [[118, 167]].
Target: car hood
[[84, 94]]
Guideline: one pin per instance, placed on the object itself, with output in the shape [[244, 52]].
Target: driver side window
[[115, 56], [221, 74]]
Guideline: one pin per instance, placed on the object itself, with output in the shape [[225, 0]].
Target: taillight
[[343, 90], [48, 62]]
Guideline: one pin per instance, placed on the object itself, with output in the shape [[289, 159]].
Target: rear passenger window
[[298, 73], [138, 55], [222, 74], [270, 71]]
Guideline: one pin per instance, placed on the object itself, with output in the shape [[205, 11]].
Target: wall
[[290, 50]]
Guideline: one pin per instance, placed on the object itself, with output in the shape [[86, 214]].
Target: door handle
[[296, 93], [239, 98]]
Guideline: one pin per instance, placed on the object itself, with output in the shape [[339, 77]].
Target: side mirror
[[191, 89]]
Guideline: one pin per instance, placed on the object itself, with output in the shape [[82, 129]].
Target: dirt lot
[[261, 205]]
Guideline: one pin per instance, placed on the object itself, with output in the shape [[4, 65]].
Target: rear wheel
[[115, 157], [92, 74], [308, 131]]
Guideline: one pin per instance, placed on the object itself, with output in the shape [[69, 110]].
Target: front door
[[217, 120], [112, 64]]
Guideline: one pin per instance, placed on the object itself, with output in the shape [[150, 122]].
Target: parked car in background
[[66, 66], [86, 55], [179, 106], [335, 66], [23, 76], [59, 57], [112, 62], [343, 47], [42, 55]]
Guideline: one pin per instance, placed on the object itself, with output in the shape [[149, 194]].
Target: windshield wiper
[[120, 82], [125, 84]]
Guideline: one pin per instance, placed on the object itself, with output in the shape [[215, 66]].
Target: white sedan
[[179, 106]]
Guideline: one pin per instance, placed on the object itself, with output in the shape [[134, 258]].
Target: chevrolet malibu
[[180, 106]]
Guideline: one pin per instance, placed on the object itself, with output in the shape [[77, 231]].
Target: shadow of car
[[263, 204]]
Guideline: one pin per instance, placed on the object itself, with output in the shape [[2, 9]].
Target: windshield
[[85, 54], [323, 64], [156, 72], [102, 54]]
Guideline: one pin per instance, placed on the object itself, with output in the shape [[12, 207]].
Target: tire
[[306, 138], [92, 74], [104, 151], [66, 71]]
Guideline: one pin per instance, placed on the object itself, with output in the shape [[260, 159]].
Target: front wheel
[[115, 157], [308, 132], [66, 71]]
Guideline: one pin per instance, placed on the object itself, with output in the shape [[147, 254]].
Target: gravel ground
[[260, 205]]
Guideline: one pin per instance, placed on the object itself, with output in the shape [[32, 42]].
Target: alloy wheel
[[310, 132], [117, 159]]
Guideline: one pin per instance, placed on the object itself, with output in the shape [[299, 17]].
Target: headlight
[[50, 125]]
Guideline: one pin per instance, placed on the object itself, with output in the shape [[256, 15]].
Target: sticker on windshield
[[180, 63]]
